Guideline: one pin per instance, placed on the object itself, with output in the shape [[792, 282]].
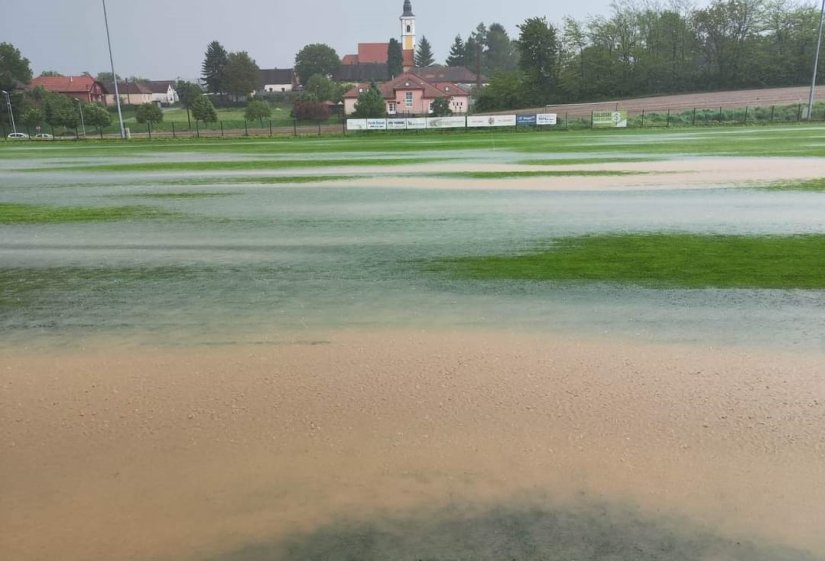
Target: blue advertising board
[[525, 120]]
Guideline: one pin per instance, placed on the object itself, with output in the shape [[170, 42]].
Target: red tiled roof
[[407, 82], [65, 84], [372, 52], [409, 58], [349, 60]]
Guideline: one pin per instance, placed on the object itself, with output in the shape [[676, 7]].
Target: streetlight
[[114, 76], [80, 108], [11, 111], [816, 62]]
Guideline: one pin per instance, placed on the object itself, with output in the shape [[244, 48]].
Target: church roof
[[369, 53], [407, 10], [455, 74]]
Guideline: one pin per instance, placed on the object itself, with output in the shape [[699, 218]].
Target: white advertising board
[[446, 122], [356, 124], [416, 123], [377, 124], [397, 124], [476, 121], [546, 119], [491, 121]]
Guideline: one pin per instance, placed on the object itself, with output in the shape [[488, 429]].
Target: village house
[[85, 88], [163, 91], [131, 93], [410, 95], [458, 75], [277, 80]]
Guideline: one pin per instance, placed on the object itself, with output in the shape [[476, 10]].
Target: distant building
[[409, 94], [370, 55], [131, 93], [163, 91], [458, 75], [85, 88], [277, 80]]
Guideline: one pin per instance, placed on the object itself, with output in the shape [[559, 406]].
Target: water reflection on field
[[237, 259]]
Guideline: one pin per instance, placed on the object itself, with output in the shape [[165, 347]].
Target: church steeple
[[408, 27]]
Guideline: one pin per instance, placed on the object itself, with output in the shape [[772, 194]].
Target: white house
[[163, 91], [277, 81]]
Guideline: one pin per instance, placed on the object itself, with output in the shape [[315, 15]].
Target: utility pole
[[114, 76], [816, 62]]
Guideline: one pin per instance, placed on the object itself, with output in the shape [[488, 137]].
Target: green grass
[[229, 165], [661, 260], [813, 185], [525, 174], [43, 214]]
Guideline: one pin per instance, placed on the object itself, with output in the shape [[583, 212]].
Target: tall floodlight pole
[[80, 108], [11, 111], [816, 62], [114, 76]]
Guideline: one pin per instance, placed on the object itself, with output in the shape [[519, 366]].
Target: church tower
[[408, 28]]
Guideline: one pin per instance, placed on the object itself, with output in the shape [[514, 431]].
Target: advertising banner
[[502, 121], [377, 124], [416, 123], [446, 122], [476, 121], [609, 119], [397, 124], [543, 119], [526, 120], [356, 124]]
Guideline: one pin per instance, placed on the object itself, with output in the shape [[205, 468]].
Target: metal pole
[[114, 76], [816, 62], [11, 111], [82, 123]]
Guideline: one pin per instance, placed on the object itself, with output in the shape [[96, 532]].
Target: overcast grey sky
[[166, 39]]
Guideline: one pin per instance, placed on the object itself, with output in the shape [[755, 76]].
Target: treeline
[[644, 49]]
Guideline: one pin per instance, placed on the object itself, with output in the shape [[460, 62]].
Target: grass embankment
[[43, 214], [762, 141], [661, 260]]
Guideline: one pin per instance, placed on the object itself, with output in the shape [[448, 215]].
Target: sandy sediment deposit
[[184, 453]]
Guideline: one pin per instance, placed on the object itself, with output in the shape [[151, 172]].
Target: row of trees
[[235, 74], [644, 50]]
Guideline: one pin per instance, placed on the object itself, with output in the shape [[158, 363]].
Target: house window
[[391, 108], [408, 99]]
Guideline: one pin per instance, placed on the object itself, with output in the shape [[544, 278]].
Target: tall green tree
[[538, 49], [424, 55], [50, 74], [203, 110], [213, 69], [500, 53], [475, 49], [106, 77], [458, 53], [14, 68], [395, 58], [61, 111], [258, 111], [316, 59], [241, 74], [187, 94], [370, 104], [322, 88], [441, 107]]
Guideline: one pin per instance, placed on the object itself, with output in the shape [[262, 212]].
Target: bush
[[310, 110], [148, 113]]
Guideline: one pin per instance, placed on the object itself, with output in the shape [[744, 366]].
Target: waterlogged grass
[[526, 174], [661, 260], [813, 185], [13, 213], [257, 180], [230, 165], [179, 195]]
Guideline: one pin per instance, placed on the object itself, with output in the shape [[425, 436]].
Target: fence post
[[76, 134], [773, 108], [643, 118], [319, 128], [245, 128], [222, 128], [746, 114], [693, 121], [149, 128], [197, 129], [566, 121], [799, 113], [100, 130], [720, 114], [668, 117], [173, 130], [270, 128], [294, 127], [591, 119]]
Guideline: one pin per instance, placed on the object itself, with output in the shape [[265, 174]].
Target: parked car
[[43, 136], [18, 136]]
